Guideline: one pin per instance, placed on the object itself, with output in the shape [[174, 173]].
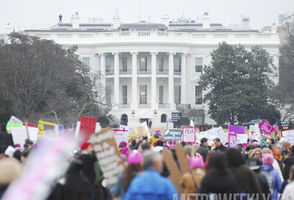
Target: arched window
[[163, 118], [124, 119]]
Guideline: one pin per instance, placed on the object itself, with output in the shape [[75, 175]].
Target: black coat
[[203, 151], [220, 148], [288, 163], [88, 167], [5, 141], [218, 182]]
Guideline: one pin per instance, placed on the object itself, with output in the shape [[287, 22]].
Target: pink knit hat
[[267, 159], [135, 157], [124, 150], [196, 162]]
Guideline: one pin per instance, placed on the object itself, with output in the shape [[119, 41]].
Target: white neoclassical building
[[149, 69]]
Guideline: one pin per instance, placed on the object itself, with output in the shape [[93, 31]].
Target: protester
[[150, 184], [5, 138], [273, 179], [245, 178], [286, 149], [10, 169], [277, 153], [255, 165], [144, 146], [275, 163], [288, 163], [218, 145], [191, 180], [132, 170], [159, 146], [255, 153], [203, 148], [189, 151], [218, 181], [288, 192]]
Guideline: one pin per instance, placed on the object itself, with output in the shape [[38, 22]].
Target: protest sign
[[11, 124], [289, 136], [19, 134], [174, 135], [120, 136], [213, 133], [107, 154], [236, 129], [242, 138], [254, 132], [265, 127], [44, 166], [14, 120], [232, 139], [47, 128], [141, 130], [87, 126], [189, 134]]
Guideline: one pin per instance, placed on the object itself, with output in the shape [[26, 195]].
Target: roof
[[142, 26]]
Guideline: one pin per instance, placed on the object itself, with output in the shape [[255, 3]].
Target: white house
[[147, 68]]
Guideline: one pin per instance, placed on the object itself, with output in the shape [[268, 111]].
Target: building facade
[[150, 70]]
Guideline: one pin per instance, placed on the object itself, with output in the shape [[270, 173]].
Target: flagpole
[[27, 130]]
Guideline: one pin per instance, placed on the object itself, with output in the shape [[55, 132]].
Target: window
[[143, 64], [198, 95], [125, 94], [161, 62], [177, 94], [163, 118], [161, 94], [143, 94], [124, 64], [86, 61], [198, 64], [107, 64], [177, 64], [108, 94]]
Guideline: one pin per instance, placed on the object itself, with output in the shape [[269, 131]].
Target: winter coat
[[288, 192], [191, 181], [203, 151], [273, 179], [220, 182], [150, 185], [288, 163], [5, 141]]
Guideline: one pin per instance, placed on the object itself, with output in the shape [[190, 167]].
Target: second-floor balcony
[[109, 71], [162, 71], [125, 71], [144, 71]]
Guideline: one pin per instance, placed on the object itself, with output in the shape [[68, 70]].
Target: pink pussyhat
[[124, 150], [196, 162], [267, 159], [135, 157]]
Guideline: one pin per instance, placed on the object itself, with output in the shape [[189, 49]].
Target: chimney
[[75, 20], [206, 20], [116, 20], [245, 23], [165, 20]]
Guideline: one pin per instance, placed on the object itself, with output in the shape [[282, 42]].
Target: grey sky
[[39, 13]]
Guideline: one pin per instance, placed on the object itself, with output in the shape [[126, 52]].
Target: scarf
[[278, 157]]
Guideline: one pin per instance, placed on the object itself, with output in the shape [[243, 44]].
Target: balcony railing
[[109, 72], [177, 72], [148, 71], [124, 106], [128, 71], [144, 106], [164, 105], [164, 71]]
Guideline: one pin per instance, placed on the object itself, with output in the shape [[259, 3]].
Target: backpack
[[269, 179]]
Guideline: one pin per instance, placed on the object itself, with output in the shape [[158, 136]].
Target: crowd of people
[[241, 172]]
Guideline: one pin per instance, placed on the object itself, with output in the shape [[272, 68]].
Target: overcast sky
[[39, 13]]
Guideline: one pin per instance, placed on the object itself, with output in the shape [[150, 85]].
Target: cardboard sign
[[19, 134], [87, 126], [213, 133], [289, 136], [141, 130], [11, 124], [120, 136], [107, 154], [254, 132], [266, 128], [232, 139], [189, 134], [236, 129], [44, 166], [174, 135], [47, 128], [242, 138]]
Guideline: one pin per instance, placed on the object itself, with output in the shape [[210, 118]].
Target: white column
[[116, 79], [183, 79], [102, 74], [171, 80], [134, 81], [153, 81]]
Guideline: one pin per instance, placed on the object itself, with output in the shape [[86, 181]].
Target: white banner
[[213, 133]]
